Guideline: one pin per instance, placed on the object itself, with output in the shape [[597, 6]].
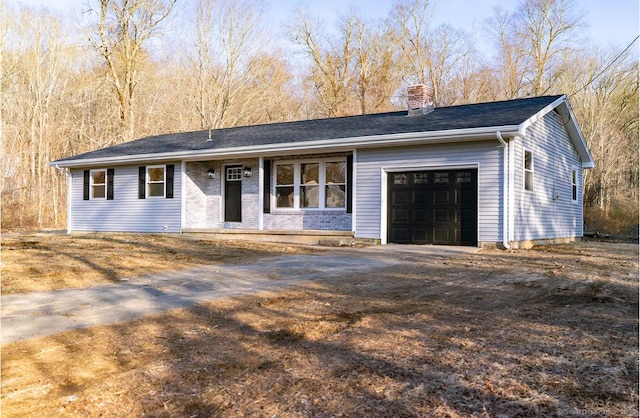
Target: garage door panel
[[421, 197], [441, 236], [399, 197], [400, 215], [420, 215], [441, 197], [400, 235], [419, 236], [441, 215]]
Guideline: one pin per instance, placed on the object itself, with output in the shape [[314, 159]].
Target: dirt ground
[[551, 331]]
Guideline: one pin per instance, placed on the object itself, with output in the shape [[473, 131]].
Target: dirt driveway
[[551, 331], [34, 314]]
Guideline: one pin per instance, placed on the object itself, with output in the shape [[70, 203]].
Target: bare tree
[[413, 21], [531, 42], [331, 59], [226, 39], [430, 55], [606, 104], [123, 29], [35, 85], [511, 72], [376, 65]]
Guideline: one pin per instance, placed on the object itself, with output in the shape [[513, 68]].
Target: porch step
[[309, 237]]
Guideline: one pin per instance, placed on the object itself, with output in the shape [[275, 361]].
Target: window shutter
[[110, 172], [266, 192], [142, 175], [85, 187], [169, 182], [349, 183]]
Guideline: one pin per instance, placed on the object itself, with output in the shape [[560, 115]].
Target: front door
[[233, 194]]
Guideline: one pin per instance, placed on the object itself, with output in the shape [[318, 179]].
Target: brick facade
[[204, 204]]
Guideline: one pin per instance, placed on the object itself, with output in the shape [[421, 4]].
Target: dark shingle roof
[[504, 113]]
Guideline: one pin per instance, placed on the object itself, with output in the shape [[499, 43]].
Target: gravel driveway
[[37, 314]]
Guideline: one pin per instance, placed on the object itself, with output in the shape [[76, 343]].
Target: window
[[463, 177], [528, 170], [234, 173], [336, 184], [311, 184], [441, 178], [574, 186], [284, 185], [155, 181], [400, 178], [98, 186], [421, 178]]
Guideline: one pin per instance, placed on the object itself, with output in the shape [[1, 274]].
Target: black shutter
[[85, 187], [169, 182], [142, 177], [110, 172], [349, 183], [266, 192]]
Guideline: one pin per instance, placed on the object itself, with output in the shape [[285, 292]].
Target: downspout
[[507, 192]]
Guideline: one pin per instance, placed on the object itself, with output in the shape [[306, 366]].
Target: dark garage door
[[433, 207]]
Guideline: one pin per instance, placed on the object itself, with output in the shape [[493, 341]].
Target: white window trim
[[322, 184], [91, 184], [148, 181], [525, 171]]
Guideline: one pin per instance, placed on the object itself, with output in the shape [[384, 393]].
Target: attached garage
[[433, 207]]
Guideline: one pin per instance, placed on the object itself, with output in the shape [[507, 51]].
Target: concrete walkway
[[37, 314]]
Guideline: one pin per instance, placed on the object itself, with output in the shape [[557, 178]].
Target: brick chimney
[[420, 99]]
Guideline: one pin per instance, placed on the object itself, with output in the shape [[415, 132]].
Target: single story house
[[501, 173]]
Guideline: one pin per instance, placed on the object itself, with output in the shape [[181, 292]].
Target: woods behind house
[[119, 70]]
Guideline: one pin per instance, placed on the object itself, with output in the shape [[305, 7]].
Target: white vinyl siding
[[126, 213], [549, 211], [373, 163]]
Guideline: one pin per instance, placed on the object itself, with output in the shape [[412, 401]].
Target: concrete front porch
[[309, 237]]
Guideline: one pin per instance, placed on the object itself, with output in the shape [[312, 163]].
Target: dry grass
[[544, 332], [50, 261]]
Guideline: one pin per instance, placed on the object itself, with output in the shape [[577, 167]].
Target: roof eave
[[330, 145]]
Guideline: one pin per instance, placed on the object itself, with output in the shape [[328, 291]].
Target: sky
[[612, 23]]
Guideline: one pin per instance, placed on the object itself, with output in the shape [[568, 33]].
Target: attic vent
[[420, 99]]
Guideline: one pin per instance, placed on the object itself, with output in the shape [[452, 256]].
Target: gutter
[[336, 144]]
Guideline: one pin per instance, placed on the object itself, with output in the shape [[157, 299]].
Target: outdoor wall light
[[211, 173], [246, 171]]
